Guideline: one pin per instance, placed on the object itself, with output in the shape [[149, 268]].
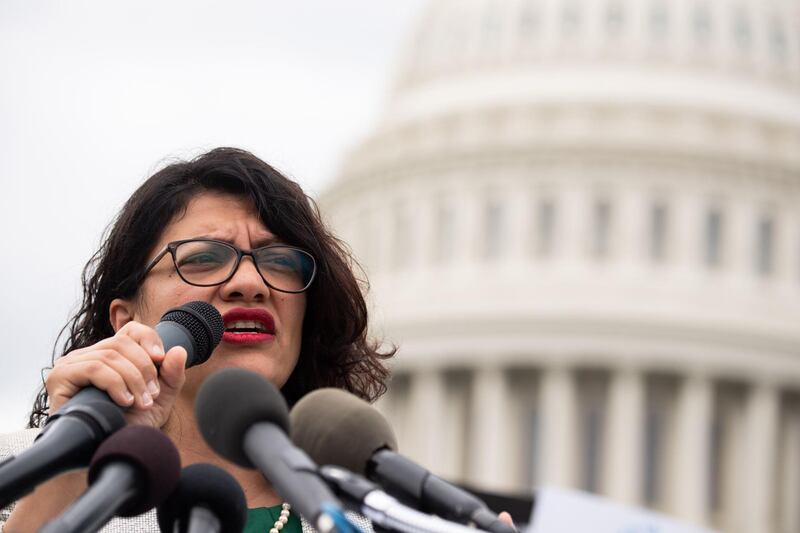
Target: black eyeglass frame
[[172, 246]]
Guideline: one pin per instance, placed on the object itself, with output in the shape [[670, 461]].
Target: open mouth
[[248, 325]]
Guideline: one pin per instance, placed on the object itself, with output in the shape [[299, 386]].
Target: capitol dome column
[[790, 474], [623, 462], [690, 473], [488, 461], [559, 433], [761, 430], [427, 401]]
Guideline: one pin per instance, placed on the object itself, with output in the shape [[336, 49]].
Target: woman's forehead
[[218, 215]]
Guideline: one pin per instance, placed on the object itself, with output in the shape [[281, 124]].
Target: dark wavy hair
[[335, 350]]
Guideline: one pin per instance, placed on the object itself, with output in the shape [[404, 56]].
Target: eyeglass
[[208, 262]]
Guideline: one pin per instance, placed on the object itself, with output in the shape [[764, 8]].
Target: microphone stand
[[384, 510], [99, 504], [201, 520], [68, 440]]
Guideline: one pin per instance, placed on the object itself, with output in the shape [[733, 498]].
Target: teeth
[[246, 324]]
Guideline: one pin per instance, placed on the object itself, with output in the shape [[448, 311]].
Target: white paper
[[568, 511]]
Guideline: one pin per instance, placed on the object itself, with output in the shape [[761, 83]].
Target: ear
[[120, 312]]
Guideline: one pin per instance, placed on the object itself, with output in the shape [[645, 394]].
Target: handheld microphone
[[196, 326], [206, 500], [335, 427], [73, 433], [133, 471], [244, 418]]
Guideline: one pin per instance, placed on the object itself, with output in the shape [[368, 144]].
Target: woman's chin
[[255, 361]]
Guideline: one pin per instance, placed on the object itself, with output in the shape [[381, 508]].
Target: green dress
[[261, 520]]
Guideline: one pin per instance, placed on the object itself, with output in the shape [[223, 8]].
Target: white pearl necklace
[[280, 522]]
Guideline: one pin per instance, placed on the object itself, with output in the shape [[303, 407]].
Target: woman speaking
[[227, 229]]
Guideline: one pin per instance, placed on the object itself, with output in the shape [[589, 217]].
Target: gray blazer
[[13, 443]]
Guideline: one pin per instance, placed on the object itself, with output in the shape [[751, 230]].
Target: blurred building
[[581, 223]]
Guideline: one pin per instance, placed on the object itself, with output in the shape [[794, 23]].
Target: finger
[[145, 377], [125, 364], [132, 342], [65, 380], [506, 519], [146, 337], [143, 361], [131, 361], [173, 369]]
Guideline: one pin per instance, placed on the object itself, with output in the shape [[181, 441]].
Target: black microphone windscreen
[[205, 485], [335, 427], [152, 454], [203, 322], [229, 403]]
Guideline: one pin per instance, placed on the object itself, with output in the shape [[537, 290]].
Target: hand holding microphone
[[126, 366], [79, 426]]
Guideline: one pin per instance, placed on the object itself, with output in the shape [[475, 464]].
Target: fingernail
[[147, 400], [128, 396], [158, 350], [152, 387]]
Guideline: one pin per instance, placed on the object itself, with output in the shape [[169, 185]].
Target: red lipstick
[[248, 326]]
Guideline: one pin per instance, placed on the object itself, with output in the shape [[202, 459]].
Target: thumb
[[173, 368], [506, 519]]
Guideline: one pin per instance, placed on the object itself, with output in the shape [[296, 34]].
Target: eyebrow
[[258, 242], [266, 241]]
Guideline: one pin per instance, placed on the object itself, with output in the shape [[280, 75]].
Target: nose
[[246, 283]]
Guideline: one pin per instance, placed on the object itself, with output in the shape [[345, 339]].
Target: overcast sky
[[94, 95]]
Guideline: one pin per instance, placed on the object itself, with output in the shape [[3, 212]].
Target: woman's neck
[[182, 428]]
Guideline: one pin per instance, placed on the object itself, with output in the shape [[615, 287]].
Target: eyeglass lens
[[210, 263]]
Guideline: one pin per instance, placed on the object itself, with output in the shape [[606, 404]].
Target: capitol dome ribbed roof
[[699, 53]]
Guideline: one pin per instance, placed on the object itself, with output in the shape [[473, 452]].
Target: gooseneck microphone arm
[[207, 499], [66, 445], [382, 509], [99, 503], [244, 418], [132, 471], [414, 483], [202, 520], [292, 471], [336, 427]]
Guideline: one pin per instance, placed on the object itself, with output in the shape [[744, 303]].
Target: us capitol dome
[[580, 220]]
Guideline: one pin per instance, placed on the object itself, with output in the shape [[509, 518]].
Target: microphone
[[244, 418], [206, 500], [382, 509], [132, 471], [197, 326], [335, 427], [73, 433]]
